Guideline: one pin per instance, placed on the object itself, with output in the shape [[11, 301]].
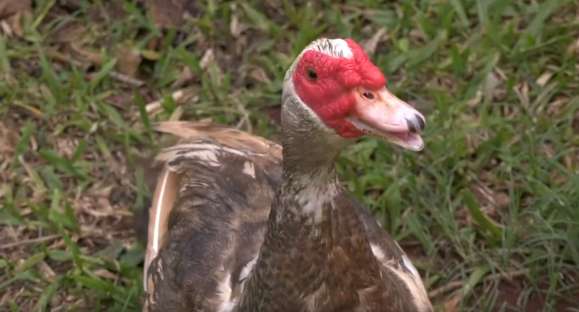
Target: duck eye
[[312, 74], [368, 95]]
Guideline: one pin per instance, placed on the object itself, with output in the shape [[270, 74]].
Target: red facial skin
[[331, 95]]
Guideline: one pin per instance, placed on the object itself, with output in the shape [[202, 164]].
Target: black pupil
[[368, 95], [312, 74]]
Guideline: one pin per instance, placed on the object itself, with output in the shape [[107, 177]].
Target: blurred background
[[489, 211]]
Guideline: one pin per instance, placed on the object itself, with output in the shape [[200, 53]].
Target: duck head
[[334, 85]]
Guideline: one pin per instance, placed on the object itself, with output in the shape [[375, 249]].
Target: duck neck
[[300, 221], [309, 182], [310, 151], [308, 162]]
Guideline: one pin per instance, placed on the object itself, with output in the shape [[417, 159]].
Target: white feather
[[153, 244], [158, 211], [224, 289], [249, 168]]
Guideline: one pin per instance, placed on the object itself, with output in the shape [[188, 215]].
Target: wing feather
[[208, 215], [163, 202]]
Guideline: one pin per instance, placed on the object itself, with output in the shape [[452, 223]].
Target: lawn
[[489, 211]]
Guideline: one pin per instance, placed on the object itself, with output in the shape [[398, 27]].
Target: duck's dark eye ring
[[312, 73]]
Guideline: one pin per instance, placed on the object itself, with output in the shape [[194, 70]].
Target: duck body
[[249, 226], [333, 260], [338, 264], [220, 184]]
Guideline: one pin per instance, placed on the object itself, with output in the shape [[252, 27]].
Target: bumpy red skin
[[330, 95]]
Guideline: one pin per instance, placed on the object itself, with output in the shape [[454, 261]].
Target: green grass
[[489, 211]]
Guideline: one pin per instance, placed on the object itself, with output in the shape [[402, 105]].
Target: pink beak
[[381, 113]]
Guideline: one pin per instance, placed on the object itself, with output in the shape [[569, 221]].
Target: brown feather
[[225, 136], [223, 181]]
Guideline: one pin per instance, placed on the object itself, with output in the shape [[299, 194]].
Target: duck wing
[[405, 290], [208, 216]]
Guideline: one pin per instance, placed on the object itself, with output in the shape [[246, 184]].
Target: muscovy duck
[[240, 224]]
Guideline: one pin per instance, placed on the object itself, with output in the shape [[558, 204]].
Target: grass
[[489, 211]]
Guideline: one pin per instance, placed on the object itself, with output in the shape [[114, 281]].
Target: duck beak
[[382, 114]]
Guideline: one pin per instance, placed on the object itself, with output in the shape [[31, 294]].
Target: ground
[[489, 211]]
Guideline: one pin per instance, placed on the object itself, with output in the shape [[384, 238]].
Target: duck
[[239, 223]]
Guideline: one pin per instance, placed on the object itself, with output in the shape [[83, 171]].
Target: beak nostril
[[421, 122]]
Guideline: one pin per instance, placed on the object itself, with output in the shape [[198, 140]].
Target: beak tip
[[415, 124], [411, 126], [419, 147], [421, 122]]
